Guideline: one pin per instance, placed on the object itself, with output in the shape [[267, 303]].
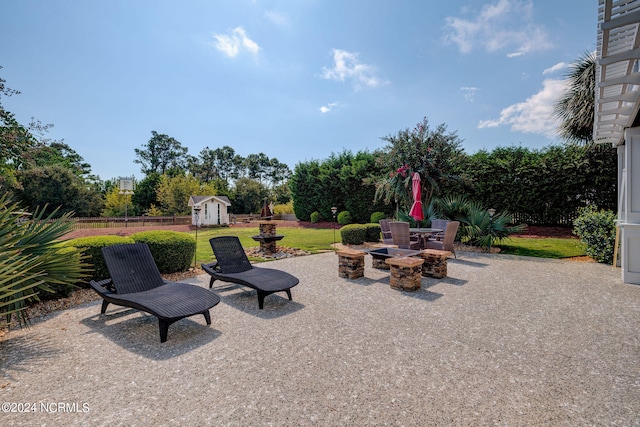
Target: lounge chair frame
[[136, 283], [232, 265]]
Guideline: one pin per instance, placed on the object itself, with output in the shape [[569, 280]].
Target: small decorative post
[[492, 212], [196, 211], [333, 212]]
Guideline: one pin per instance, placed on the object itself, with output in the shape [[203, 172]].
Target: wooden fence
[[545, 220], [131, 221]]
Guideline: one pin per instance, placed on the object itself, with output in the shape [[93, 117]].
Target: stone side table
[[435, 263], [405, 273], [350, 263]]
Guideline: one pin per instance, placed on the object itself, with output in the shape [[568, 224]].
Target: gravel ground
[[503, 340]]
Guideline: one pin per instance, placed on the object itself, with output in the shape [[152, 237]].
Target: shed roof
[[196, 200]]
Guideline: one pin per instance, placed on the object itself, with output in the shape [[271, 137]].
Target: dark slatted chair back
[[230, 256], [132, 268]]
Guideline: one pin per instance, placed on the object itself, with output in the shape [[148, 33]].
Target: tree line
[[45, 173], [538, 186]]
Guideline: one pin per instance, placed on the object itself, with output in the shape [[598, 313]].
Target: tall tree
[[15, 139], [59, 153], [160, 154], [575, 108], [226, 163], [248, 196], [174, 192], [57, 187], [145, 194], [433, 153]]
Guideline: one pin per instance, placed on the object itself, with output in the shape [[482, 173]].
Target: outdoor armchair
[[446, 244], [402, 237], [136, 283], [440, 224], [232, 265], [387, 238]]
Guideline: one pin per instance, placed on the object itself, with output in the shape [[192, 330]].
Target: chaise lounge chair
[[136, 283], [232, 265]]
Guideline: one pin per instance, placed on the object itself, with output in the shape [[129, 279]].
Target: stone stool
[[350, 263], [435, 263], [405, 273]]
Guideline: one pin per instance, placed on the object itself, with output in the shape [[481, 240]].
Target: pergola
[[617, 120]]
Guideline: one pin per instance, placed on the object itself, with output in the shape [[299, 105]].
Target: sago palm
[[481, 229], [31, 258]]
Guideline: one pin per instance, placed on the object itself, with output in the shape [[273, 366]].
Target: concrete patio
[[503, 340]]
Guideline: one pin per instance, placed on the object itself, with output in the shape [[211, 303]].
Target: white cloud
[[326, 108], [346, 66], [469, 92], [236, 41], [559, 66], [535, 114], [277, 18], [504, 26]]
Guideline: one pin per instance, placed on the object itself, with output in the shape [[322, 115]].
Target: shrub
[[63, 290], [344, 218], [453, 207], [376, 217], [480, 229], [32, 259], [283, 209], [372, 232], [91, 247], [315, 217], [353, 234], [172, 251], [597, 231]]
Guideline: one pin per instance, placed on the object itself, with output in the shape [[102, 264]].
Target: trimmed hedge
[[353, 234], [91, 247], [344, 218], [172, 251], [315, 217], [372, 232], [376, 217]]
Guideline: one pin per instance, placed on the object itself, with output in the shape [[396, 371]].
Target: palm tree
[[575, 107]]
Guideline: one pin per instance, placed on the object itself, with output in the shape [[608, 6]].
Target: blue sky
[[296, 80]]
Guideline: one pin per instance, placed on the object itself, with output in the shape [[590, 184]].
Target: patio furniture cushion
[[232, 265], [136, 283]]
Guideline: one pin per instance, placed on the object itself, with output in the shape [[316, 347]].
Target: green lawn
[[307, 239], [315, 240], [542, 247]]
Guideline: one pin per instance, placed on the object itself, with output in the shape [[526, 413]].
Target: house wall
[[629, 219]]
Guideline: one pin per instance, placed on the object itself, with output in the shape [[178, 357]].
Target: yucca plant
[[31, 259], [479, 228]]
